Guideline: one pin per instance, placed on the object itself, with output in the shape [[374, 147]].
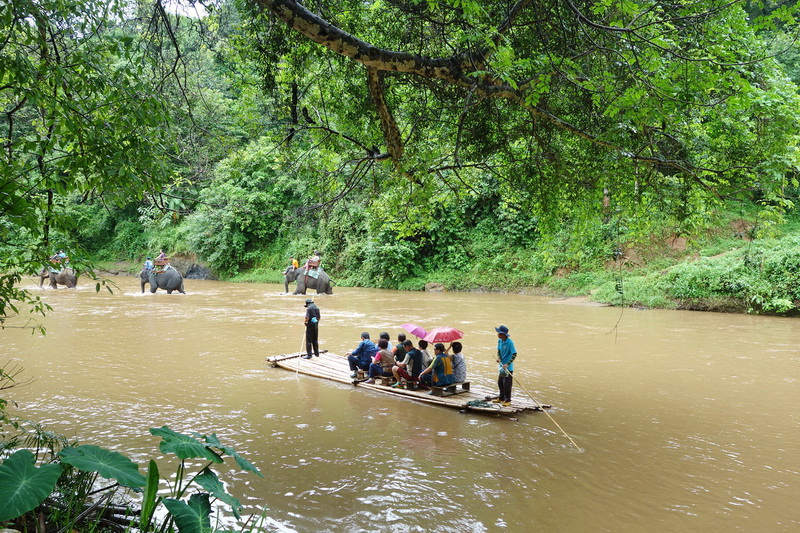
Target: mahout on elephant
[[65, 276], [315, 279], [168, 279]]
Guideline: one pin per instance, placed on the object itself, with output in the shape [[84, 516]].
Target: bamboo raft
[[335, 368]]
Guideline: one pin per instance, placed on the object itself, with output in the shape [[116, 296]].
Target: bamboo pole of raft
[[541, 408]]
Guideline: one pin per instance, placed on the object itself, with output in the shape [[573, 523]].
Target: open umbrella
[[414, 330], [443, 334]]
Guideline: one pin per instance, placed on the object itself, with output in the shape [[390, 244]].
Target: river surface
[[685, 421]]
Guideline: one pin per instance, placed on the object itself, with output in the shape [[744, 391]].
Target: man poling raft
[[506, 353]]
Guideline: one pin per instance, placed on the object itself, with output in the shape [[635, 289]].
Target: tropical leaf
[[209, 481], [150, 497], [243, 463], [184, 446], [23, 486], [110, 465], [192, 517]]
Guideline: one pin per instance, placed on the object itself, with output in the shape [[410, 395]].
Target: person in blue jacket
[[506, 353], [362, 356]]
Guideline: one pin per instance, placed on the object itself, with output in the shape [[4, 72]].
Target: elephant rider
[[162, 262], [313, 265], [58, 260], [287, 274], [148, 265]]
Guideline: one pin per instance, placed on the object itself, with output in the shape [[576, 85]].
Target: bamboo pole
[[519, 383]]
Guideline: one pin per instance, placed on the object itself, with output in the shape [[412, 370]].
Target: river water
[[685, 421]]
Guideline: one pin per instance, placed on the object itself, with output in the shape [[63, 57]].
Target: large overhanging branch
[[391, 133], [455, 70]]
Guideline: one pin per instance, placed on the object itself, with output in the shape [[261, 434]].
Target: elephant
[[322, 283], [169, 280], [66, 276]]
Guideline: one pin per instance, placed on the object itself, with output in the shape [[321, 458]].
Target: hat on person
[[309, 302], [502, 329]]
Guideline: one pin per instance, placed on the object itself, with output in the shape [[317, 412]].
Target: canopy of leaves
[[562, 101], [81, 116]]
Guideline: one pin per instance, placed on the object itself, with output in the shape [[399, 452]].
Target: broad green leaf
[[184, 446], [243, 463], [23, 486], [150, 497], [192, 517], [110, 465], [209, 481]]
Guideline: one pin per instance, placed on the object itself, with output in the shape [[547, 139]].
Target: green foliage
[[110, 465], [192, 516], [184, 446], [80, 119], [23, 486], [57, 490], [245, 208], [385, 262]]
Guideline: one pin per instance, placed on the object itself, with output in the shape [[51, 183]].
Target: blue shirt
[[365, 352], [505, 351]]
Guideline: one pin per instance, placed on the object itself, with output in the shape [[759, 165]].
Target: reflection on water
[[686, 421]]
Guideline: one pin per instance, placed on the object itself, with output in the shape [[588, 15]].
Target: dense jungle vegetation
[[641, 151], [478, 145]]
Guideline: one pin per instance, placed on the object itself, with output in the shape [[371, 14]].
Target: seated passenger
[[362, 356], [459, 364], [399, 351], [440, 373], [386, 336], [426, 357], [409, 368], [382, 363]]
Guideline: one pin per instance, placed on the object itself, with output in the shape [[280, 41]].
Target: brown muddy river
[[686, 421]]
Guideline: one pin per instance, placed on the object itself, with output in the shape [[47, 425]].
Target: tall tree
[[561, 100], [81, 115]]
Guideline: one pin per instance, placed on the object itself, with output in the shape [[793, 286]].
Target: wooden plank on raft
[[334, 367]]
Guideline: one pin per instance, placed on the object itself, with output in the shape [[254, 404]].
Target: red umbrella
[[414, 330], [443, 334]]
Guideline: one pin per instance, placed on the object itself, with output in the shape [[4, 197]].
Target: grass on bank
[[731, 265]]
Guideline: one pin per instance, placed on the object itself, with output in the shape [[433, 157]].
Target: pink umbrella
[[414, 330], [443, 334]]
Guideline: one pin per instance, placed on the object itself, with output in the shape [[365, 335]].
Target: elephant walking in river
[[66, 276], [169, 280], [322, 282]]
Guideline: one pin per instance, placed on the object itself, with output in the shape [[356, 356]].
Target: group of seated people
[[408, 363]]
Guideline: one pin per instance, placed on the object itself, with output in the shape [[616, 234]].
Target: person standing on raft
[[312, 328], [506, 353]]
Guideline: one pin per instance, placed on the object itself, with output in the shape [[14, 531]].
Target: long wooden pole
[[539, 405]]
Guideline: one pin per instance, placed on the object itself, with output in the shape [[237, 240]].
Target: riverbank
[[730, 269]]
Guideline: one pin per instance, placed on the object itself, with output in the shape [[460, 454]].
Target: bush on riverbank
[[734, 264]]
